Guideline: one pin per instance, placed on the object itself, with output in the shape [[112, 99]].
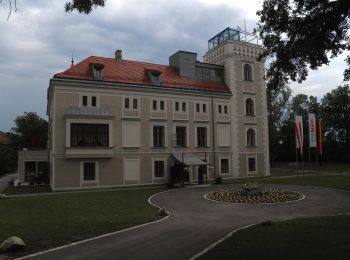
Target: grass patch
[[27, 190], [311, 168], [48, 221], [326, 181], [307, 238]]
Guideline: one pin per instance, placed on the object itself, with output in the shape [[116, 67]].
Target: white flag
[[312, 130], [299, 133]]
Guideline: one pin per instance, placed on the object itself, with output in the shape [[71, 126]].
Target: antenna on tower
[[245, 30], [72, 61]]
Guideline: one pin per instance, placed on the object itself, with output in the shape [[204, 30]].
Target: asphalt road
[[195, 223]]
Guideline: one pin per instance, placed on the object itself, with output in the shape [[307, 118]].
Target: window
[[183, 106], [89, 135], [89, 171], [251, 164], [224, 166], [248, 72], [126, 103], [201, 136], [251, 137], [177, 106], [159, 170], [98, 71], [162, 105], [220, 109], [181, 136], [197, 108], [154, 104], [155, 77], [85, 101], [93, 101], [249, 107], [134, 103], [158, 136], [226, 109], [204, 108]]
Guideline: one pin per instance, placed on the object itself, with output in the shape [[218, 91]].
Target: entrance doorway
[[202, 173]]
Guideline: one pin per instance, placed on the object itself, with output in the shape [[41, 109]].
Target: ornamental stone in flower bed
[[250, 193]]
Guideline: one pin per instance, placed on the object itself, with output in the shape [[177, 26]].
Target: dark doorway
[[202, 170]]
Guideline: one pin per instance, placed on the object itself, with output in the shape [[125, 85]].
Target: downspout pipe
[[213, 134]]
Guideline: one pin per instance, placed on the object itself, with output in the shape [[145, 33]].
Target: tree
[[277, 102], [8, 158], [335, 109], [303, 34], [13, 4], [31, 131], [83, 6]]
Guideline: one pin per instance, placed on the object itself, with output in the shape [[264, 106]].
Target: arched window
[[248, 75], [249, 107], [250, 137]]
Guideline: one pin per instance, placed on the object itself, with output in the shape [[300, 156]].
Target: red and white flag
[[299, 133], [312, 130]]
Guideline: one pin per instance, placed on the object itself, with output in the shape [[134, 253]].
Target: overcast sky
[[40, 38]]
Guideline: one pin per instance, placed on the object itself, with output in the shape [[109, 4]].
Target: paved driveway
[[195, 223]]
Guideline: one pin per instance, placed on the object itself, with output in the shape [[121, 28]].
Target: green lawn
[[27, 190], [326, 181], [308, 238], [52, 220], [311, 168]]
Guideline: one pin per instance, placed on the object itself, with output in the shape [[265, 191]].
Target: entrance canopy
[[189, 159]]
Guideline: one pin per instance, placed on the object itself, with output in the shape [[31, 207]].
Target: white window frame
[[201, 111], [82, 181], [222, 104], [158, 100], [229, 165], [70, 121], [180, 107], [245, 97], [131, 103], [164, 159], [246, 135], [89, 99], [165, 134], [252, 67], [256, 164], [175, 124], [195, 135]]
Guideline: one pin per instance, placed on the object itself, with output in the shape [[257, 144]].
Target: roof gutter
[[147, 88]]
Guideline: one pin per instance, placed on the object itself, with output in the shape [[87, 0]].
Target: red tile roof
[[134, 72]]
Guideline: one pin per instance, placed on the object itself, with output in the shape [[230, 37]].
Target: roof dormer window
[[154, 76], [97, 70]]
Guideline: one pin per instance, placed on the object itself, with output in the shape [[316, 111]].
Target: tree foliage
[[303, 34], [83, 6], [30, 130], [335, 109], [277, 103]]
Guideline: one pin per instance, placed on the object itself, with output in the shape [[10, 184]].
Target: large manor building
[[116, 122]]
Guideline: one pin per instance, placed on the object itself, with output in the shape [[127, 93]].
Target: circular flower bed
[[263, 196]]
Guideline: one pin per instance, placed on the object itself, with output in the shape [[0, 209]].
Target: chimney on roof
[[118, 56]]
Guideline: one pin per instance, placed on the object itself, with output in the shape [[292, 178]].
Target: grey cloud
[[38, 41]]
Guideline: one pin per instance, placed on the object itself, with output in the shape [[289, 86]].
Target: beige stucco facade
[[129, 157]]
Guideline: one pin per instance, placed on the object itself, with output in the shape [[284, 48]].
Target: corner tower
[[238, 52]]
